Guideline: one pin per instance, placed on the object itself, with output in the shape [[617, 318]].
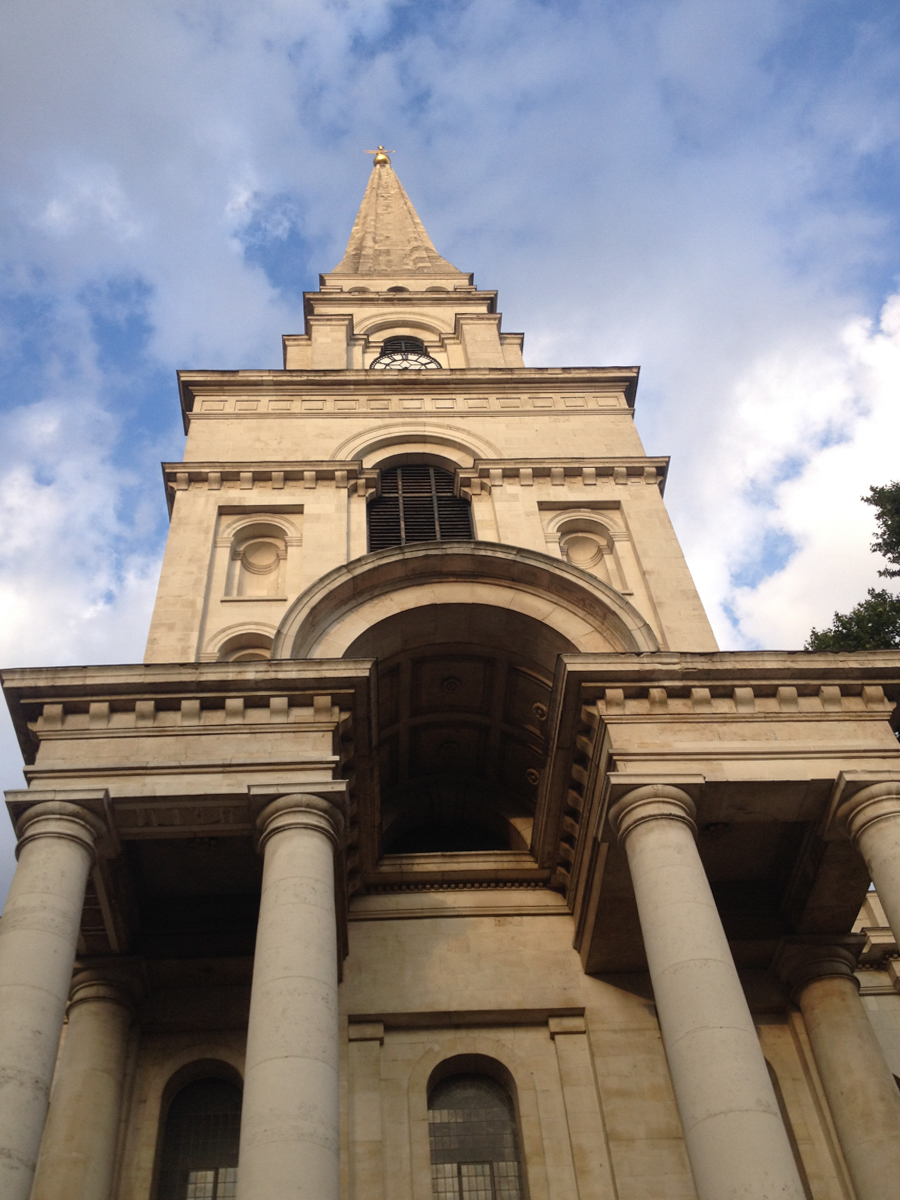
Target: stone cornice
[[299, 387], [343, 300], [491, 473], [284, 480], [279, 479], [162, 698]]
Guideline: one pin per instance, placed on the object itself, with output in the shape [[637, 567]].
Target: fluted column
[[290, 1135], [872, 818], [38, 937], [862, 1094], [78, 1152], [733, 1130]]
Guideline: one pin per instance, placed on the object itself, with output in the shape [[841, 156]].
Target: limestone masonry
[[435, 852]]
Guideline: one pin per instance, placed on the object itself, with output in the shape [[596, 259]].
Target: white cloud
[[93, 196], [820, 507], [76, 580], [675, 184]]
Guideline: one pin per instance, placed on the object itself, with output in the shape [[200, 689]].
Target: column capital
[[653, 802], [61, 819], [801, 962], [302, 810], [876, 802], [120, 983]]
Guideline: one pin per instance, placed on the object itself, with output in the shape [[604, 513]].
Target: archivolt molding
[[231, 528], [330, 615], [202, 1059], [606, 519], [416, 437], [383, 322], [221, 636]]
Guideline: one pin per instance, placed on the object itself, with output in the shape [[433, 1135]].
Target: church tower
[[434, 852]]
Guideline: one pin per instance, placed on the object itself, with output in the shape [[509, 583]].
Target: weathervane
[[381, 156]]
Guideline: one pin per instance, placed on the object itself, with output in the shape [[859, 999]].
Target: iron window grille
[[200, 1145], [474, 1146]]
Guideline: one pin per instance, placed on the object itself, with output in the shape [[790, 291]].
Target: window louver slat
[[417, 504]]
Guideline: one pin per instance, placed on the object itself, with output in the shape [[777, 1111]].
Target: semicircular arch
[[494, 1057], [416, 437], [401, 321], [329, 616], [223, 637]]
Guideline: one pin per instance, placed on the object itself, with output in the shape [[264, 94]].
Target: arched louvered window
[[402, 345], [474, 1145], [200, 1145], [417, 504]]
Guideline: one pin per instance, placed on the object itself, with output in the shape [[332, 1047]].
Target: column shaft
[[862, 1094], [290, 1133], [38, 937], [735, 1138], [78, 1155]]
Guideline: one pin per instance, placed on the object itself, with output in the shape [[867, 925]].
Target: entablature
[[761, 741], [502, 391], [192, 753]]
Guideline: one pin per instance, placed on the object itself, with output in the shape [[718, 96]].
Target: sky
[[708, 188]]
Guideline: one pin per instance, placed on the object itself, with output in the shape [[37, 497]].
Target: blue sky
[[709, 189]]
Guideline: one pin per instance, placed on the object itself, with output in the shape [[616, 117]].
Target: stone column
[[862, 1094], [290, 1135], [872, 818], [735, 1137], [78, 1154], [38, 937]]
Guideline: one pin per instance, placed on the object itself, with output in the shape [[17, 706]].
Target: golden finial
[[381, 156]]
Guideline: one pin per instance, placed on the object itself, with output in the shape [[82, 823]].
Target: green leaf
[[874, 624]]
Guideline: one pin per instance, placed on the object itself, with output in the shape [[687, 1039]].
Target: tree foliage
[[887, 501], [874, 624]]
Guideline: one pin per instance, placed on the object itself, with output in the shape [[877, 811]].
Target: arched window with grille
[[417, 504], [474, 1142], [199, 1155]]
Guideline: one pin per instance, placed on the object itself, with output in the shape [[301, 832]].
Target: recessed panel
[[447, 749], [527, 701], [451, 682]]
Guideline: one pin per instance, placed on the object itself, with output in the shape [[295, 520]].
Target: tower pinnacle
[[388, 237], [381, 158]]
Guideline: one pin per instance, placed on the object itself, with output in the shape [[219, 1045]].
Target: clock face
[[405, 360]]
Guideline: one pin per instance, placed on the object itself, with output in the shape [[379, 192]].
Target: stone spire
[[388, 238]]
